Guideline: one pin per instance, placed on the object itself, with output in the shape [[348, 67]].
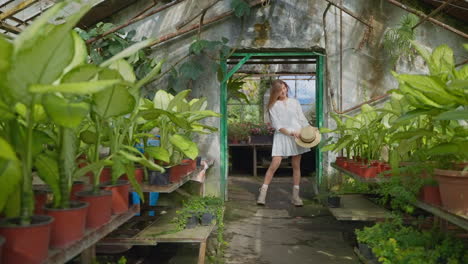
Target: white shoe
[[262, 196], [296, 200]]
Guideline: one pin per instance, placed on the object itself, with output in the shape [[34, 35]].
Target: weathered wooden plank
[[355, 207], [459, 220], [359, 178]]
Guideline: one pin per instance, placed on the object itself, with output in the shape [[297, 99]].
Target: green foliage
[[397, 41], [238, 131], [112, 44], [241, 8], [394, 243], [197, 206]]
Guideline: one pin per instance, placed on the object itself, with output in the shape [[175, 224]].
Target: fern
[[397, 41]]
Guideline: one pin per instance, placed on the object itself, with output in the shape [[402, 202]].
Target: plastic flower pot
[[334, 201], [430, 194], [77, 186], [99, 209], [368, 172], [158, 178], [119, 195], [40, 199], [192, 221], [2, 242], [453, 190], [207, 218], [366, 251], [69, 224], [26, 244], [176, 173]]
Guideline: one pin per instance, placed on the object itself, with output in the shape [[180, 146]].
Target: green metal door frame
[[223, 105]]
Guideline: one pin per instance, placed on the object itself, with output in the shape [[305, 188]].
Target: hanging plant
[[397, 40]]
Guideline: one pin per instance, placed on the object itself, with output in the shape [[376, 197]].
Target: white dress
[[287, 114]]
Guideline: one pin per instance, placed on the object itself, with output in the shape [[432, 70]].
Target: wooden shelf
[[90, 238], [170, 187], [359, 178], [355, 207], [461, 221], [159, 229]]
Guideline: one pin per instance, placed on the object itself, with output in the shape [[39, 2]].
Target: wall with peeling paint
[[286, 24]]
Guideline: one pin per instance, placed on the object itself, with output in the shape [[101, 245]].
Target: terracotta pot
[[177, 172], [2, 242], [77, 186], [139, 175], [340, 160], [106, 175], [40, 199], [119, 195], [99, 209], [430, 194], [453, 190], [191, 165], [26, 244], [368, 172], [69, 224]]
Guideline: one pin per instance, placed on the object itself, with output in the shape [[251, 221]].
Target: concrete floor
[[279, 232]]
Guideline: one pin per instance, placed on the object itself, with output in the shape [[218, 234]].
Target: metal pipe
[[195, 27], [155, 2], [16, 9], [351, 13], [435, 11], [374, 99], [185, 22], [133, 20], [435, 21]]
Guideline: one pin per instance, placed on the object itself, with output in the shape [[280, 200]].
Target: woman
[[288, 120]]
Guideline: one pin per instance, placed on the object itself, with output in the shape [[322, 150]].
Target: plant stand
[[85, 246], [159, 229]]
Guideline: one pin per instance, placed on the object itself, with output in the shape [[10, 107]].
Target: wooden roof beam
[[16, 9]]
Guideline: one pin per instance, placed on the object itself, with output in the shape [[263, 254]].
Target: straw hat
[[310, 137]]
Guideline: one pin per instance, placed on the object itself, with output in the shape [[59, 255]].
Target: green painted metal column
[[319, 115], [224, 159]]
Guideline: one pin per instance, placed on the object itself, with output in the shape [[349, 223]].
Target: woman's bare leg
[[274, 165], [296, 164], [275, 162]]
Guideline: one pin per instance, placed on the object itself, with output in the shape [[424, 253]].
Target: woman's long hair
[[275, 91]]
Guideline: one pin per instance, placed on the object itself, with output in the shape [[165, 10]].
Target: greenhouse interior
[[233, 131]]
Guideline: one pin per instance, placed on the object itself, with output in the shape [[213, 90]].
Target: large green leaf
[[82, 88], [80, 54], [82, 73], [48, 170], [199, 115], [114, 101], [91, 167], [162, 99], [141, 160], [417, 133], [6, 50], [453, 115], [10, 178], [411, 115], [65, 112], [442, 61], [130, 170], [7, 151], [125, 69], [198, 104], [176, 104], [128, 52], [158, 153], [444, 149], [43, 58], [153, 114], [185, 145]]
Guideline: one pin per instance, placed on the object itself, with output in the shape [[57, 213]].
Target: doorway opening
[[250, 73]]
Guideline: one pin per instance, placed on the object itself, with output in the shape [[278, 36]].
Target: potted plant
[[53, 55], [177, 120], [261, 133], [237, 132], [199, 210], [439, 100]]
